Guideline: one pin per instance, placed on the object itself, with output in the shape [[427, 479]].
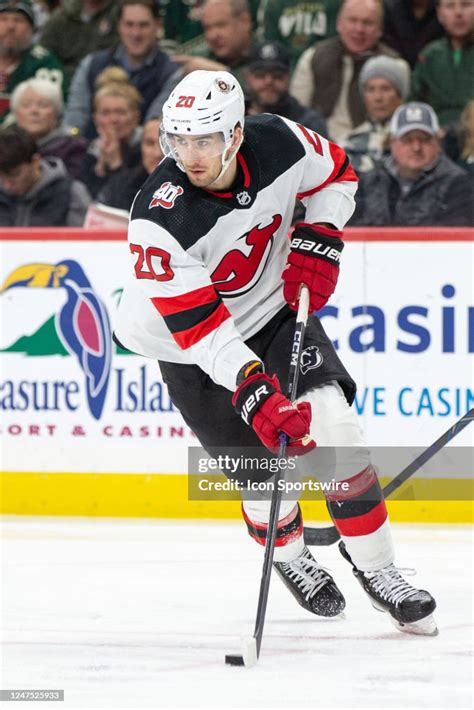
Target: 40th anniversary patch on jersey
[[165, 196]]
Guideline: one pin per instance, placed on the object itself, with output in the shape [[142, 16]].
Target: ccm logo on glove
[[315, 253]]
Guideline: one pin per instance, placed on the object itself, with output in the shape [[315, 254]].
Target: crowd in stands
[[83, 82]]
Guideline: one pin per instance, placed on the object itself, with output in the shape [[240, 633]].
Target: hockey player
[[213, 298]]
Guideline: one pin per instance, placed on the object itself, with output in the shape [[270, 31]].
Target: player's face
[[36, 114], [151, 148], [16, 32], [113, 114], [415, 151], [359, 25], [457, 17], [268, 85], [200, 156], [380, 98]]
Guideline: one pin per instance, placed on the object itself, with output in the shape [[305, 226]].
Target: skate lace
[[307, 573], [390, 585]]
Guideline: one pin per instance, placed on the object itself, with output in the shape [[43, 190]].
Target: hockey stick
[[329, 535], [251, 647]]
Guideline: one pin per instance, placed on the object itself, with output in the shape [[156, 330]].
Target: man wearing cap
[[20, 59], [384, 83], [417, 185], [268, 79]]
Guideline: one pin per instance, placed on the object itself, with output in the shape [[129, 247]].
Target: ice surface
[[139, 614]]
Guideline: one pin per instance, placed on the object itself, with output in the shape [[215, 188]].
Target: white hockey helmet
[[203, 102]]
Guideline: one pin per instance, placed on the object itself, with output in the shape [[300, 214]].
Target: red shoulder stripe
[[186, 338], [185, 301]]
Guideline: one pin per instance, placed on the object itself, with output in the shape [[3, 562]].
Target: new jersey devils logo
[[165, 196], [311, 358], [242, 268]]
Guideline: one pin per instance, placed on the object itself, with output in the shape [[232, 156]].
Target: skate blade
[[423, 627]]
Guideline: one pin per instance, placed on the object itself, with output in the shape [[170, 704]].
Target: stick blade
[[321, 536], [248, 647]]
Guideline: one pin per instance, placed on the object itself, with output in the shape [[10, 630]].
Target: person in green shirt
[[298, 24], [20, 59], [443, 76]]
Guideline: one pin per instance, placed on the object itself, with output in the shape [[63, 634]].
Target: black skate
[[311, 585], [410, 609]]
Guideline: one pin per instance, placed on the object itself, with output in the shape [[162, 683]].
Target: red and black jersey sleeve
[[328, 182]]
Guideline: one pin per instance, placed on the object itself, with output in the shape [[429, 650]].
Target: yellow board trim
[[166, 496]]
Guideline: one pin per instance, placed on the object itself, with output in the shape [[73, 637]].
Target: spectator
[[116, 119], [120, 190], [20, 58], [79, 27], [466, 159], [417, 185], [228, 32], [326, 77], [458, 141], [182, 23], [138, 53], [35, 191], [409, 25], [268, 80], [299, 24], [443, 76], [384, 83], [37, 106]]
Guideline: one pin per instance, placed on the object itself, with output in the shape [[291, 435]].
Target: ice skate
[[313, 588], [410, 609]]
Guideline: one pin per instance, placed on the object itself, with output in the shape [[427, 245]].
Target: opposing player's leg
[[360, 513]]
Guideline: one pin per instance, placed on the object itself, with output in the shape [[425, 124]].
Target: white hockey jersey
[[207, 266]]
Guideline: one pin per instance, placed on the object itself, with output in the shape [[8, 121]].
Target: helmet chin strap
[[227, 161]]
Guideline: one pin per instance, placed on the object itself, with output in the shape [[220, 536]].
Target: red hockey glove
[[261, 404], [313, 260]]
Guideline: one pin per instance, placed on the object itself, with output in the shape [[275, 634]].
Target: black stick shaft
[[293, 373], [329, 535]]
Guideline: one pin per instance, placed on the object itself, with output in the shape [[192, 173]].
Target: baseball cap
[[267, 55], [24, 6], [414, 116]]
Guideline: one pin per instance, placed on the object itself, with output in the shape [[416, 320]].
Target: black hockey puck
[[234, 660]]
